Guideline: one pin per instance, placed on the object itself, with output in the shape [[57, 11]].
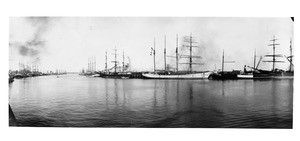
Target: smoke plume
[[36, 44]]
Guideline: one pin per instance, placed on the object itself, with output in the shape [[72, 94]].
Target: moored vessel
[[123, 74], [276, 73], [224, 75], [185, 75], [167, 74]]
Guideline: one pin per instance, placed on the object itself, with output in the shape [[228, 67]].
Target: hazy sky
[[67, 43]]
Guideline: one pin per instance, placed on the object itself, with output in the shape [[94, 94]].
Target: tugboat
[[167, 74], [225, 75]]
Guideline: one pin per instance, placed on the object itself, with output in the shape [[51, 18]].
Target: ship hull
[[198, 75], [115, 75], [263, 74], [245, 76], [223, 76], [282, 75]]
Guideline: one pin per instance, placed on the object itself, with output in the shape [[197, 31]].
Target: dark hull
[[223, 76], [263, 74], [121, 75], [115, 76], [19, 76]]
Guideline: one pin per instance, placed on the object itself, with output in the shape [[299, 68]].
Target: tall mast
[[88, 68], [223, 61], [106, 61], [190, 41], [165, 53], [90, 61], [176, 56], [154, 53], [123, 63], [115, 59], [274, 46], [177, 52], [274, 55], [191, 60], [291, 55], [254, 61], [92, 64]]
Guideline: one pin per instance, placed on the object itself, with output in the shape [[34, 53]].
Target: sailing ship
[[167, 74], [224, 75], [115, 74], [275, 72]]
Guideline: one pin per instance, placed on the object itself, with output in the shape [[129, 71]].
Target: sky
[[67, 42]]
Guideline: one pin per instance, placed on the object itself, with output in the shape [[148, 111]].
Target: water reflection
[[166, 87], [190, 85], [96, 102], [106, 94], [154, 95], [177, 95], [222, 88], [124, 95], [116, 92]]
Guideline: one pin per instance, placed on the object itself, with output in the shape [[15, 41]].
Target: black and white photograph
[[153, 72], [139, 70]]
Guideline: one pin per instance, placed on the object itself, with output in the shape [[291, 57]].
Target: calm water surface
[[79, 101]]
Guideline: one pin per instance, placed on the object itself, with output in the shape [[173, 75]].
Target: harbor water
[[79, 101]]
